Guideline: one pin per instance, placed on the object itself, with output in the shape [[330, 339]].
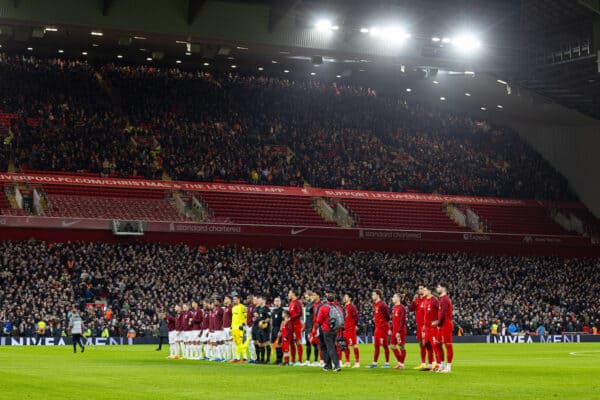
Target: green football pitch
[[526, 371]]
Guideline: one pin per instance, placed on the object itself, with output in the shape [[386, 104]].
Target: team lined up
[[234, 332]]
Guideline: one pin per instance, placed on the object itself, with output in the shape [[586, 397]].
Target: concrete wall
[[572, 150]]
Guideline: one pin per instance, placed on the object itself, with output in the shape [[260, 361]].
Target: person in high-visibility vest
[[494, 330], [87, 333], [105, 333]]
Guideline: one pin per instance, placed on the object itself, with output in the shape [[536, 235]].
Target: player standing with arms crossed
[[381, 319]]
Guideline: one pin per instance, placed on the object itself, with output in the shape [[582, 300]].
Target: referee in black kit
[[276, 319]]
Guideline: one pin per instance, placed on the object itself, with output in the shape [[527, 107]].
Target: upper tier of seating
[[517, 219], [263, 209], [89, 202], [400, 215]]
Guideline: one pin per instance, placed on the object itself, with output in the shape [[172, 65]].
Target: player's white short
[[204, 336], [172, 337], [220, 336], [213, 337], [178, 336], [249, 332], [195, 336], [227, 334]]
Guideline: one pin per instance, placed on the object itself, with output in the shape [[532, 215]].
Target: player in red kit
[[228, 340], [286, 336], [417, 306], [398, 332], [430, 338], [446, 327], [350, 324], [296, 311], [381, 319], [179, 332]]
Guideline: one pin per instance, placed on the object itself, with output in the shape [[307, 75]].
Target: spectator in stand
[[135, 279], [192, 125]]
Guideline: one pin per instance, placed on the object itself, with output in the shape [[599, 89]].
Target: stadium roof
[[279, 35]]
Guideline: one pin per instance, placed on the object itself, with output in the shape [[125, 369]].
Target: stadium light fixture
[[500, 106], [50, 29], [325, 25], [61, 51], [119, 56], [84, 53], [364, 30], [313, 73], [466, 43], [96, 33], [408, 90], [435, 39], [468, 94], [95, 45], [435, 82], [446, 40], [30, 48], [233, 66], [338, 76], [139, 37], [187, 53], [483, 108], [469, 72], [178, 61], [206, 64], [148, 58], [442, 98], [501, 81], [274, 62], [261, 69], [241, 48], [286, 71]]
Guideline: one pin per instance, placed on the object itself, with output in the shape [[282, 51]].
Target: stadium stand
[[143, 121], [136, 280], [86, 202]]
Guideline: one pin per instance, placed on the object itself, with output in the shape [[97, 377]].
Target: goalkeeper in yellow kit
[[238, 321]]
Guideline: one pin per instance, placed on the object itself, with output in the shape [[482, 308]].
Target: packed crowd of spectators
[[258, 129], [42, 281]]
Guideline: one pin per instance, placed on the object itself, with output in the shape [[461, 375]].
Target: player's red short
[[297, 329], [350, 336], [394, 340], [431, 335], [285, 346], [419, 333], [381, 336], [445, 333]]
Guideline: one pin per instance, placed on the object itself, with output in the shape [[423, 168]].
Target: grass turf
[[532, 371]]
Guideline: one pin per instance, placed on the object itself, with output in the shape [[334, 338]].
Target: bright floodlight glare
[[501, 81], [148, 58], [446, 40], [84, 53], [96, 33], [30, 48], [499, 106], [408, 89], [435, 82], [466, 42], [260, 68], [313, 73], [206, 64], [435, 39], [468, 94], [61, 51], [119, 56], [483, 108], [338, 76], [286, 71], [442, 98], [178, 61], [50, 29], [323, 25], [364, 30], [375, 31]]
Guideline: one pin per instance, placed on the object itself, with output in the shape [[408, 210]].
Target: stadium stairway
[[8, 203]]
